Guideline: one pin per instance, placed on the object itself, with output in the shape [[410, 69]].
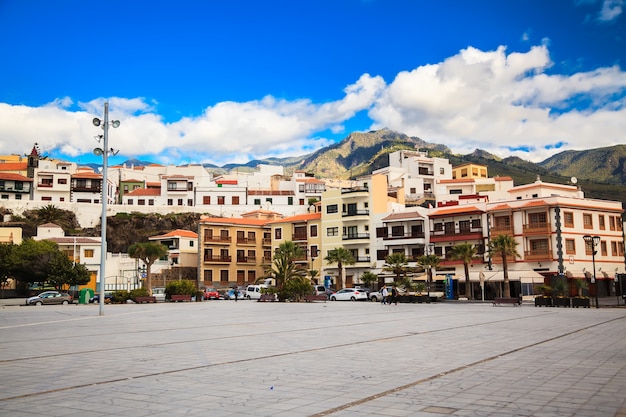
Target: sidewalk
[[221, 358]]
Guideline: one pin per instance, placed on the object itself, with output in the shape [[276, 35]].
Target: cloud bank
[[506, 103]]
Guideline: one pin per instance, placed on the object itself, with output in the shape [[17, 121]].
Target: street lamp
[[104, 152], [593, 241]]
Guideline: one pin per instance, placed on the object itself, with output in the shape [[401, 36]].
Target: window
[[570, 246], [190, 186], [257, 201], [180, 201], [314, 251], [381, 232], [332, 231], [62, 181], [141, 202], [331, 208], [125, 188], [130, 201], [151, 202], [475, 224], [290, 201], [301, 201], [43, 198], [191, 243], [442, 171], [88, 253], [313, 230], [170, 202], [603, 250], [614, 249], [206, 199], [235, 200], [19, 197], [221, 200], [568, 219], [601, 224], [208, 275], [251, 276], [190, 202], [224, 275], [6, 197], [587, 221], [278, 233], [397, 231], [381, 255]]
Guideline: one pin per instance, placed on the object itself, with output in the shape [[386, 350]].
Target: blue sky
[[230, 81]]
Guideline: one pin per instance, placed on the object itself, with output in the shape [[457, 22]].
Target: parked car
[[319, 290], [211, 294], [253, 292], [375, 296], [230, 295], [159, 294], [108, 298], [50, 297], [348, 294]]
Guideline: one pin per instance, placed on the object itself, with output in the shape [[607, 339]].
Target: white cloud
[[492, 100], [611, 9], [498, 102]]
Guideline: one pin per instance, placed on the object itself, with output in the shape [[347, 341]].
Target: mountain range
[[600, 172]]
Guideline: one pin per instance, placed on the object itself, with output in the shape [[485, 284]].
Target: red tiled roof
[[13, 166], [456, 210], [227, 182], [177, 233], [87, 175], [139, 192], [235, 221], [299, 218], [10, 176], [403, 215]]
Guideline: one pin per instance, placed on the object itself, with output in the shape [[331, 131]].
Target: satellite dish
[[574, 180]]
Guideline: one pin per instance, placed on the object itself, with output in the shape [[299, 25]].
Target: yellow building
[[304, 230], [469, 170], [235, 250]]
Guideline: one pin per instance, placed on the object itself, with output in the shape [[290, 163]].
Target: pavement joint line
[[2, 361], [452, 371], [277, 355]]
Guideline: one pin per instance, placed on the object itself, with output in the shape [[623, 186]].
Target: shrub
[[120, 296], [183, 287], [295, 289], [138, 292]]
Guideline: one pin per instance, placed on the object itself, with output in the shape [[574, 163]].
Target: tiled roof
[[139, 192], [299, 218], [456, 210], [13, 166], [235, 221], [177, 233], [403, 216], [10, 176]]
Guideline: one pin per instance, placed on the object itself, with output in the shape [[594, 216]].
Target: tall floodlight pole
[[104, 151]]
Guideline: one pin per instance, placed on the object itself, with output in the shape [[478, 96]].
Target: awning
[[525, 276]]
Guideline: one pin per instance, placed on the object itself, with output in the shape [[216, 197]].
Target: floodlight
[[98, 151], [96, 121], [115, 123]]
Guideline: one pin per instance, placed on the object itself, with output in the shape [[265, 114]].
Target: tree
[[64, 274], [283, 266], [6, 266], [148, 253], [465, 252], [31, 259], [505, 246], [340, 256], [429, 262], [397, 264], [368, 278]]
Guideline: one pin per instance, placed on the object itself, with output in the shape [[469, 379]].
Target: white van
[[159, 294], [253, 292]]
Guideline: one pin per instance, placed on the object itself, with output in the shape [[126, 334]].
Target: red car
[[211, 294]]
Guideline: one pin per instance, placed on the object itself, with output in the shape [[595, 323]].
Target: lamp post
[[104, 152], [593, 241]]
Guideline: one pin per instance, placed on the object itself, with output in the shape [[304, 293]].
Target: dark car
[[50, 297], [108, 298]]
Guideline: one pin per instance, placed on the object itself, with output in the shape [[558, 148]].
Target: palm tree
[[396, 263], [505, 246], [149, 253], [283, 266], [465, 252], [429, 262], [340, 256]]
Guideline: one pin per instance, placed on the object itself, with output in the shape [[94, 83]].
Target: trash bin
[[85, 295]]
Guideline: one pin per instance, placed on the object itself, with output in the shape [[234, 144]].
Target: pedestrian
[[385, 293], [236, 292], [394, 295]]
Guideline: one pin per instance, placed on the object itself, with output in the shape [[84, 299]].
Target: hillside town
[[418, 205]]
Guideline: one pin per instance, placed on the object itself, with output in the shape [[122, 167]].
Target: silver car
[[50, 297]]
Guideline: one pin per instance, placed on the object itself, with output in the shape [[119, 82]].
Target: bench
[[145, 299], [180, 297], [267, 297], [500, 301], [317, 297]]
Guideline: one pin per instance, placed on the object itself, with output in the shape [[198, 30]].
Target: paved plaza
[[340, 359]]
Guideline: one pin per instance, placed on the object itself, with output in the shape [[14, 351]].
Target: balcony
[[416, 235], [505, 229], [361, 259], [355, 236], [266, 241], [354, 190], [92, 189], [220, 240], [473, 233], [245, 241], [298, 237], [217, 259], [355, 213], [246, 259], [538, 255], [45, 185], [537, 228]]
